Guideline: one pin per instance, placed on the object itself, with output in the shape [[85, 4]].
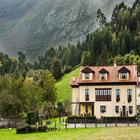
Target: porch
[[86, 109]]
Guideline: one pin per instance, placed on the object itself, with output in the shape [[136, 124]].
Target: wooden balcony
[[103, 97]]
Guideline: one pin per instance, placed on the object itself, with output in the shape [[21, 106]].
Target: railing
[[103, 97]]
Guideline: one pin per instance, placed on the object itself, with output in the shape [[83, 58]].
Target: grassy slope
[[119, 133], [63, 85]]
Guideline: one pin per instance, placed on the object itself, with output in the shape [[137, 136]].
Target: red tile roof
[[113, 76]]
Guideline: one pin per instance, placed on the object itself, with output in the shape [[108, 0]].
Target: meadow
[[111, 133], [63, 85]]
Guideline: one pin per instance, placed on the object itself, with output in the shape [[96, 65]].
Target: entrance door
[[92, 109], [124, 111]]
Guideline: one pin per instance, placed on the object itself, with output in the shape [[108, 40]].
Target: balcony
[[103, 97]]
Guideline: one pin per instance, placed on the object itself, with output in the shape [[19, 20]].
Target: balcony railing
[[103, 97]]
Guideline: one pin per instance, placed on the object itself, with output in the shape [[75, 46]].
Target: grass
[[55, 121], [122, 133], [63, 85]]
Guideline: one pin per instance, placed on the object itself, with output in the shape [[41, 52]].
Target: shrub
[[119, 119], [48, 122], [75, 119], [31, 129], [32, 118], [26, 129], [42, 129]]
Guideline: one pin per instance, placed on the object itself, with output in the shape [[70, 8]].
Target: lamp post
[[121, 111], [138, 116], [103, 111], [117, 111], [1, 67], [127, 111]]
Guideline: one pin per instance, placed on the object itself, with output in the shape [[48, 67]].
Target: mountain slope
[[63, 85], [34, 25]]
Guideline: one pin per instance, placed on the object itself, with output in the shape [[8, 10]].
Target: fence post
[[116, 122], [66, 124], [55, 125], [95, 122], [127, 121], [85, 122], [59, 118], [138, 122], [75, 122], [105, 122]]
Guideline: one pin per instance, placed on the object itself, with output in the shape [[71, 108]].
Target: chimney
[[73, 79], [115, 63]]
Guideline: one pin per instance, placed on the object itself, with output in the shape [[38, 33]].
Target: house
[[105, 91], [138, 93]]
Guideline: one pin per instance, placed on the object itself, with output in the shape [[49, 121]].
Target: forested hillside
[[32, 26], [112, 41], [116, 40]]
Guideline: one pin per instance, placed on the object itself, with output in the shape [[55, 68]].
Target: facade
[[105, 91], [138, 91]]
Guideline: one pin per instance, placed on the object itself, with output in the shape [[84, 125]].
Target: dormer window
[[87, 73], [87, 76], [124, 73], [103, 74]]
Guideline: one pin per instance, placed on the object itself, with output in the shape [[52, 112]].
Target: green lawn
[[122, 133], [55, 121], [63, 85]]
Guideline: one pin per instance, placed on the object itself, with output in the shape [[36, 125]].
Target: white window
[[117, 109], [129, 95], [102, 109], [118, 95], [103, 76], [87, 76], [130, 109], [86, 94], [123, 76]]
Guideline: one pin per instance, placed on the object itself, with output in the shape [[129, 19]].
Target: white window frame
[[103, 75], [124, 74]]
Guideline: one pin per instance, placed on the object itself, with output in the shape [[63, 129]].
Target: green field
[[63, 85], [122, 133]]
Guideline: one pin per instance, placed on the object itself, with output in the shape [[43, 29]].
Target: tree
[[101, 18], [19, 97], [44, 82], [21, 57], [13, 99], [23, 68], [56, 68], [86, 58]]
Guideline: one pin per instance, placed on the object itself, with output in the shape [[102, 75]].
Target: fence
[[105, 122]]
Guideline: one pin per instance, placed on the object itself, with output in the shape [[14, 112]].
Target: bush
[[32, 118], [75, 119], [119, 119], [31, 129], [42, 129], [26, 129], [48, 122]]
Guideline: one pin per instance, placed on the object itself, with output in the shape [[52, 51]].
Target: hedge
[[31, 129], [120, 119], [32, 118], [75, 119]]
